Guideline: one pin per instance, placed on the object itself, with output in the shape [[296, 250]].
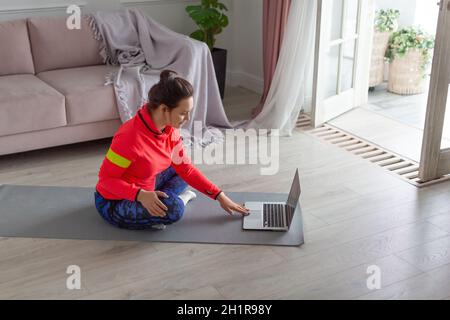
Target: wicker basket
[[406, 75], [380, 43]]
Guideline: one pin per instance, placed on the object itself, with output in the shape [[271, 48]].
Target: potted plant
[[409, 54], [385, 24], [211, 19]]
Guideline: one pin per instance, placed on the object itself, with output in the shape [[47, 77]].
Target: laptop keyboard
[[273, 215]]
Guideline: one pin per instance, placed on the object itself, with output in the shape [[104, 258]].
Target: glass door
[[342, 57], [435, 157]]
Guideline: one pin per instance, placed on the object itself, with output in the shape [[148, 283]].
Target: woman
[[143, 178]]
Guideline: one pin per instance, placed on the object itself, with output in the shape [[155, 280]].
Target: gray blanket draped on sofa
[[143, 48]]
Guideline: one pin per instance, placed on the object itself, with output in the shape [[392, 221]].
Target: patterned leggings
[[132, 215]]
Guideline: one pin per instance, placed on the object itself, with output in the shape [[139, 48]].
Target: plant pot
[[219, 57], [377, 63], [406, 76]]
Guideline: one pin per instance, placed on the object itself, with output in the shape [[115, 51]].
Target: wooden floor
[[356, 215], [390, 134], [393, 122]]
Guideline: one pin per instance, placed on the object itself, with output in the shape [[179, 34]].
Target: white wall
[[422, 13], [242, 38], [247, 55], [407, 10], [426, 15]]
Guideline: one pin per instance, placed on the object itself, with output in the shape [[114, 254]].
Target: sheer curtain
[[275, 16], [286, 96]]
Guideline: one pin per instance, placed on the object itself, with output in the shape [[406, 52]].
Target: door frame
[[358, 95], [434, 162]]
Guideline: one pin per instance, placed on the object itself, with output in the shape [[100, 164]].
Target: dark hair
[[170, 90]]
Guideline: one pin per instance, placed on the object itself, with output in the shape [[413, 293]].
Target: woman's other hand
[[151, 202]]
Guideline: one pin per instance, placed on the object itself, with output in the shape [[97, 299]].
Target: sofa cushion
[[54, 46], [15, 51], [87, 98], [28, 104]]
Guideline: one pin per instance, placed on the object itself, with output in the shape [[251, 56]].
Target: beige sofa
[[52, 88]]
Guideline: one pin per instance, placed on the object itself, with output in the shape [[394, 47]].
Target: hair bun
[[169, 92], [167, 75]]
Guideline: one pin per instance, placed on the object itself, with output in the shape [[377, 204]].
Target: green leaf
[[210, 19], [222, 7], [409, 38], [223, 21], [198, 35], [386, 20]]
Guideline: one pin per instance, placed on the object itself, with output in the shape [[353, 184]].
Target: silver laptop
[[273, 216]]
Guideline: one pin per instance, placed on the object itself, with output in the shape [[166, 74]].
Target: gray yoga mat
[[70, 213]]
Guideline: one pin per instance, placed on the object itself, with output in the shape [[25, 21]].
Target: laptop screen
[[293, 197]]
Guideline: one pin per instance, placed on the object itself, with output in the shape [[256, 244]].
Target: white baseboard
[[256, 84], [245, 80]]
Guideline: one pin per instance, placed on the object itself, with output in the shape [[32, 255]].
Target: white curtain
[[286, 96]]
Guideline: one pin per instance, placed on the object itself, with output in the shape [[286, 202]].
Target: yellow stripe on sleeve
[[117, 159]]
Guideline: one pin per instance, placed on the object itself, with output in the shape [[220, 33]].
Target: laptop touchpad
[[254, 206]]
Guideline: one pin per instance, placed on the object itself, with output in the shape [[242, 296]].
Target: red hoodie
[[138, 152]]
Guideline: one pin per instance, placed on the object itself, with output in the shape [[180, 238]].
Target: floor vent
[[303, 121], [406, 169]]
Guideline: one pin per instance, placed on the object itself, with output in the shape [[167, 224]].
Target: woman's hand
[[151, 202], [229, 206]]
